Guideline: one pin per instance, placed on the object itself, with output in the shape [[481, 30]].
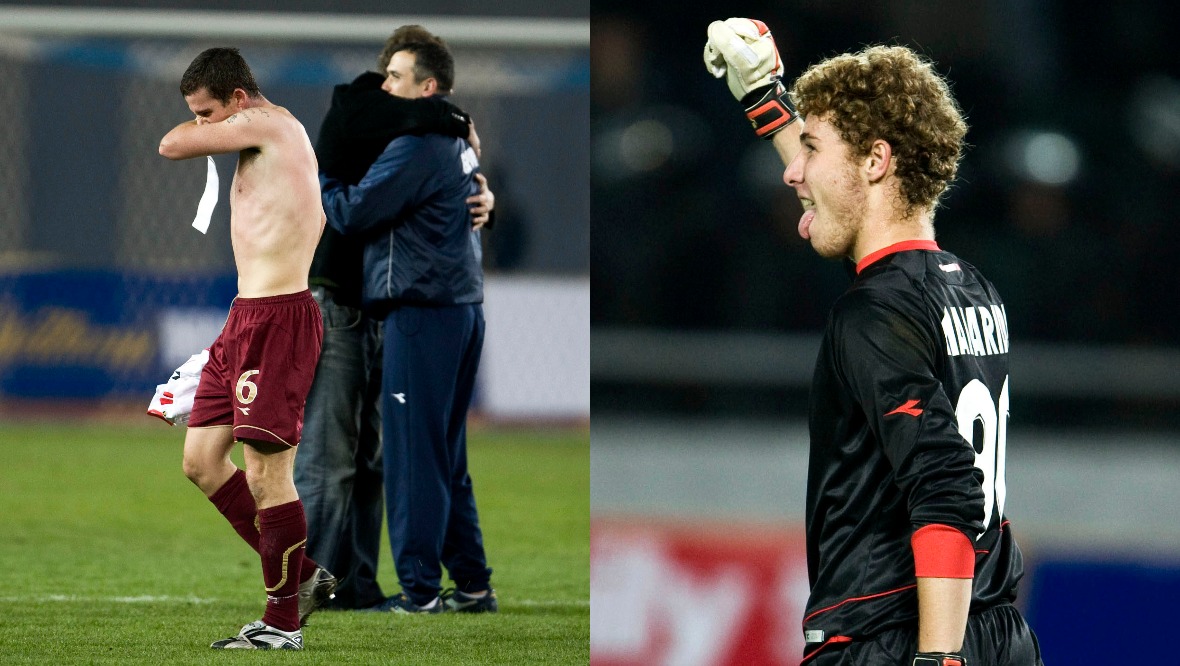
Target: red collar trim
[[903, 246]]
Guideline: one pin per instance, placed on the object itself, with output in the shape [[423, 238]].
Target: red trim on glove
[[941, 551], [784, 117]]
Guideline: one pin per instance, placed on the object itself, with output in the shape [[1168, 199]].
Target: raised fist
[[742, 50]]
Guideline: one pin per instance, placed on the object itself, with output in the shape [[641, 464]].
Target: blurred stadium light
[[1046, 157]]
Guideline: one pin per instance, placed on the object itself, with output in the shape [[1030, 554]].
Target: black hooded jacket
[[361, 122]]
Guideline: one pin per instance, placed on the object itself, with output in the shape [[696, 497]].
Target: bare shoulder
[[273, 120]]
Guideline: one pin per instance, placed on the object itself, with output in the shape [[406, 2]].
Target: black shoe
[[402, 604], [459, 602], [315, 592]]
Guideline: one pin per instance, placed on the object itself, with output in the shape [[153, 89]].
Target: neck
[[254, 102], [886, 227]]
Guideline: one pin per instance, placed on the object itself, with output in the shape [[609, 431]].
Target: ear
[[878, 161], [240, 98], [430, 87]]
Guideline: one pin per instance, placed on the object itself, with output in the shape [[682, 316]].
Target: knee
[[201, 470], [193, 468], [259, 485]]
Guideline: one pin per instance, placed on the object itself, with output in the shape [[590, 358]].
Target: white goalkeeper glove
[[173, 401], [743, 52]]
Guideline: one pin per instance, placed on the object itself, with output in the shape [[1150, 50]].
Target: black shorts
[[998, 636]]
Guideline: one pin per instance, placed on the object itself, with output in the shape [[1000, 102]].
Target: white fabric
[[173, 401], [208, 199]]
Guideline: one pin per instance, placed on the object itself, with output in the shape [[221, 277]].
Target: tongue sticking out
[[805, 223]]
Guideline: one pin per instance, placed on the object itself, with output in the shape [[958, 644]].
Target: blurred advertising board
[[695, 593], [82, 334], [97, 334]]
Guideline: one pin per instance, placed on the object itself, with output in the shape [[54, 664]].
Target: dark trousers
[[338, 465], [431, 357], [998, 636]]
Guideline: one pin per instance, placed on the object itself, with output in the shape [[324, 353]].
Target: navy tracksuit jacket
[[422, 273]]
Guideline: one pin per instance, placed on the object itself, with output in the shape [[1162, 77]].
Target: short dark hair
[[398, 40], [432, 58], [220, 70]]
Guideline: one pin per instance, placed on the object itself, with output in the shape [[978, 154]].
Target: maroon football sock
[[234, 501], [283, 533]]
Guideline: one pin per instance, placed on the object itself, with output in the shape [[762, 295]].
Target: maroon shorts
[[260, 368]]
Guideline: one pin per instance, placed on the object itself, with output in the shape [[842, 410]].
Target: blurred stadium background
[[104, 285], [706, 311]]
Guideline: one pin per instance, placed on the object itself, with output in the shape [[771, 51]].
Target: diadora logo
[[400, 397], [245, 410], [910, 407], [469, 160]]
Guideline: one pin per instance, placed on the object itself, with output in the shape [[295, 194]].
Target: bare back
[[276, 216]]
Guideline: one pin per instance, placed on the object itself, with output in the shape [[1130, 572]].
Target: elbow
[[168, 149]]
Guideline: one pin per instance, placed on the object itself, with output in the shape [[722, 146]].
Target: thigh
[[206, 456]]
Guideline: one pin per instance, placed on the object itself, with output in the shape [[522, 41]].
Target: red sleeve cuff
[[941, 551]]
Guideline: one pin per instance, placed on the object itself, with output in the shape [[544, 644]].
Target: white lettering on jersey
[[978, 331], [989, 330], [470, 161], [1000, 316], [957, 318], [973, 331], [948, 332]]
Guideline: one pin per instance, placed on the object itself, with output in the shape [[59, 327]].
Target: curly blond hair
[[893, 94]]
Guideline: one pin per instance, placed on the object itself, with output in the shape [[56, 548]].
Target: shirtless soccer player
[[261, 366]]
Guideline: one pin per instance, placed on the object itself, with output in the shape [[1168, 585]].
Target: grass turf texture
[[110, 556]]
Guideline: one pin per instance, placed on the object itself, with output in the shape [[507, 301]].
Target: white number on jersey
[[975, 404]]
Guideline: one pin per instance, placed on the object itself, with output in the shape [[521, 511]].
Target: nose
[[793, 175], [385, 84]]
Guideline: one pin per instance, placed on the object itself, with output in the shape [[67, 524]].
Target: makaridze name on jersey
[[978, 331]]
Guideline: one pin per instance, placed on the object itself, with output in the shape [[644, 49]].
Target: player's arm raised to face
[[786, 141], [248, 128]]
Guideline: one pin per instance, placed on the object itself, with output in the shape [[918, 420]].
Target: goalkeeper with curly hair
[[911, 556]]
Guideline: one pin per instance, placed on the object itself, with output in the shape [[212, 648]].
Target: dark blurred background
[[1064, 198]]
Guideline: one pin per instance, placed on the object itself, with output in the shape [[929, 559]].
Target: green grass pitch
[[108, 555]]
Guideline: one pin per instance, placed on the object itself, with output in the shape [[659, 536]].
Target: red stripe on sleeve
[[941, 551]]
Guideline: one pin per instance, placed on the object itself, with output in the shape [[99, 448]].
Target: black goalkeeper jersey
[[909, 413]]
